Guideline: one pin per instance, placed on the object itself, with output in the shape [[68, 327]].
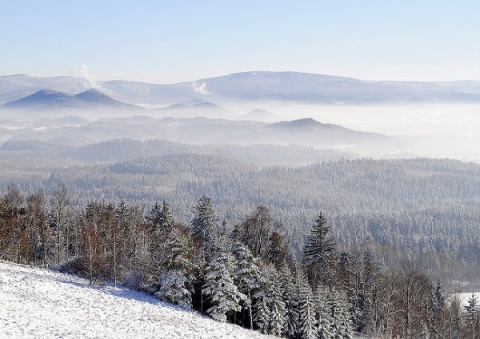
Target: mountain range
[[249, 86]]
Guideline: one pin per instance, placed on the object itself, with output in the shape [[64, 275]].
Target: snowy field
[[36, 303]]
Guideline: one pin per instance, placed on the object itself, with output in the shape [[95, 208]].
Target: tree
[[323, 313], [290, 298], [37, 223], [471, 315], [203, 222], [161, 217], [248, 277], [318, 253], [368, 317], [175, 279], [256, 230], [59, 218], [219, 287], [341, 324], [307, 326], [438, 308]]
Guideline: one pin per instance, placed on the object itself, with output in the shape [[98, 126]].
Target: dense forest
[[245, 273], [422, 209]]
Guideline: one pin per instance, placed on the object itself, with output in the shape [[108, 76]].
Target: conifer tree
[[248, 276], [278, 311], [176, 277], [290, 298], [307, 326], [219, 287], [323, 312], [472, 316], [161, 217], [319, 253], [341, 324]]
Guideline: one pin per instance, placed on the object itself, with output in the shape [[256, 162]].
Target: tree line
[[247, 273]]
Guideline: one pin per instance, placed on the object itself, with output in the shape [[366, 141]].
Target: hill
[[50, 99], [39, 303], [255, 86]]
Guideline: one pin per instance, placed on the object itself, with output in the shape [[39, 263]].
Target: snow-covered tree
[[318, 253], [323, 312], [341, 322], [176, 278], [290, 298], [204, 219], [219, 287], [278, 311], [248, 276], [472, 316], [269, 311], [307, 326], [161, 217]]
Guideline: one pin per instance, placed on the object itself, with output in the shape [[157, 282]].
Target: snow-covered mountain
[[37, 303], [254, 86]]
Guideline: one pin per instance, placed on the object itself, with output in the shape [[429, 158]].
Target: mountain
[[49, 99], [13, 87], [197, 109], [43, 99], [261, 115], [255, 86], [37, 303]]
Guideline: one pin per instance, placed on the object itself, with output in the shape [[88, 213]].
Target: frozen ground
[[36, 303]]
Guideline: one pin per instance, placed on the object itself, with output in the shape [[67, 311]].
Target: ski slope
[[37, 303]]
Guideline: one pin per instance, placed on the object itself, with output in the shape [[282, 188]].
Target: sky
[[163, 41]]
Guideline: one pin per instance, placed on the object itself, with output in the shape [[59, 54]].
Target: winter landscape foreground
[[38, 303]]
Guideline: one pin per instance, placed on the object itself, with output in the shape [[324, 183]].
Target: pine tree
[[472, 317], [261, 312], [318, 253], [437, 311], [176, 277], [219, 287], [247, 275], [370, 272], [290, 298], [161, 217], [278, 311], [323, 312], [307, 326], [341, 324]]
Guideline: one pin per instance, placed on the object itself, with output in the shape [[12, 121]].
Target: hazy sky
[[168, 41]]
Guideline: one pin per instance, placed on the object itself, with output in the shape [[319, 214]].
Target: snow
[[38, 303]]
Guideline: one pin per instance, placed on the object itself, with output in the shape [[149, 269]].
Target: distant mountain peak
[[42, 97], [299, 123]]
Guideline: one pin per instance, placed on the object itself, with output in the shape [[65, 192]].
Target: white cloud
[[84, 73]]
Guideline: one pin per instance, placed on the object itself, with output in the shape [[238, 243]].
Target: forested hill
[[413, 207]]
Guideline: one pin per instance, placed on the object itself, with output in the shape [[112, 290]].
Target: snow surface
[[38, 303]]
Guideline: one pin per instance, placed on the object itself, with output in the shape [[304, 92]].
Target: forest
[[417, 208], [247, 273]]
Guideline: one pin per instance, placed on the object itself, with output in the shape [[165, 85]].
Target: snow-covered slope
[[36, 303]]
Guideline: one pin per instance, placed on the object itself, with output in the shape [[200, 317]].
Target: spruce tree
[[290, 298], [219, 288], [248, 276], [161, 217], [203, 222], [278, 311], [323, 312], [176, 278], [307, 326], [472, 316], [341, 324], [319, 253]]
